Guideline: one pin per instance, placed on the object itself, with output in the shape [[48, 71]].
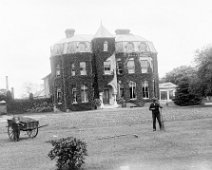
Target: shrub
[[69, 152], [97, 103], [121, 101]]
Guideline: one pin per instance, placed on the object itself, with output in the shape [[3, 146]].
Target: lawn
[[118, 139]]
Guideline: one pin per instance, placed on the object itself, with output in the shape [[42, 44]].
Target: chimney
[[7, 84], [122, 31], [12, 92], [69, 33]]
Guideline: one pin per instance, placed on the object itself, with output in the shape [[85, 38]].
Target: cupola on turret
[[114, 68]]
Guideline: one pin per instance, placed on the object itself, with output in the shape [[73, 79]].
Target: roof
[[102, 32], [129, 37], [47, 76], [77, 38], [167, 85]]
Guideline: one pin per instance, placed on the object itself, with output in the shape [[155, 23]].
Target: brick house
[[104, 66]]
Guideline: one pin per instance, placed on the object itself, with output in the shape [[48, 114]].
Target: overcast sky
[[29, 27]]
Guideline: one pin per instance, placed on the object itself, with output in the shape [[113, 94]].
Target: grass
[[110, 136]]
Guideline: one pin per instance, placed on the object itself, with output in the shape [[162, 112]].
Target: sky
[[28, 28]]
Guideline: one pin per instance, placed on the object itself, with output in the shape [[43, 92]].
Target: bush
[[97, 103], [70, 153], [121, 101]]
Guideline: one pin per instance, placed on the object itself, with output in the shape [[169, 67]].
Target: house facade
[[105, 66]]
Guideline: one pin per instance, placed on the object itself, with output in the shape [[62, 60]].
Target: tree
[[186, 93], [179, 73], [203, 60]]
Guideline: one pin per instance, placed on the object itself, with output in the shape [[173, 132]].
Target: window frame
[[105, 46], [131, 69], [59, 96], [144, 69], [73, 70], [74, 93], [84, 94], [58, 70], [145, 89], [107, 63], [132, 88], [83, 70]]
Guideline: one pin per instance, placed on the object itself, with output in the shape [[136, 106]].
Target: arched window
[[132, 88], [105, 46], [84, 93], [130, 47], [145, 89]]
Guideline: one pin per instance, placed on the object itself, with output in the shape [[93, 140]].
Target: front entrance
[[106, 96]]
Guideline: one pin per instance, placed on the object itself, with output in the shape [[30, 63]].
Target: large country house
[[109, 67]]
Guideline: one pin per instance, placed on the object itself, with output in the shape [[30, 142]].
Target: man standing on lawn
[[155, 108]]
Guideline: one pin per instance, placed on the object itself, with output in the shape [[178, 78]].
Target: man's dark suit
[[154, 107]]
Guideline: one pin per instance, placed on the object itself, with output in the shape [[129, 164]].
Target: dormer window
[[58, 70], [105, 46], [142, 47], [130, 47], [81, 47]]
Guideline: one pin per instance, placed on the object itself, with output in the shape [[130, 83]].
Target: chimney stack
[[69, 33], [7, 84], [122, 31]]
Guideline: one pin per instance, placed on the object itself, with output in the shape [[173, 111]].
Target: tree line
[[194, 83]]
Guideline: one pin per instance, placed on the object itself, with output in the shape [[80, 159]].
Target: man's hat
[[154, 99]]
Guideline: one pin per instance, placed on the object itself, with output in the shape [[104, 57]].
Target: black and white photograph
[[106, 85]]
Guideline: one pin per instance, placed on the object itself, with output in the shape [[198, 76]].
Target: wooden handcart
[[18, 124]]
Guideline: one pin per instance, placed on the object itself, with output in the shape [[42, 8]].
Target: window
[[119, 67], [132, 86], [120, 90], [81, 47], [74, 94], [145, 90], [84, 94], [131, 66], [144, 66], [107, 67], [59, 96], [58, 70], [83, 70], [105, 46], [130, 47], [72, 69], [142, 47]]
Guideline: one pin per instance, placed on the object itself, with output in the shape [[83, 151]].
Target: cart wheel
[[32, 133], [13, 133]]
